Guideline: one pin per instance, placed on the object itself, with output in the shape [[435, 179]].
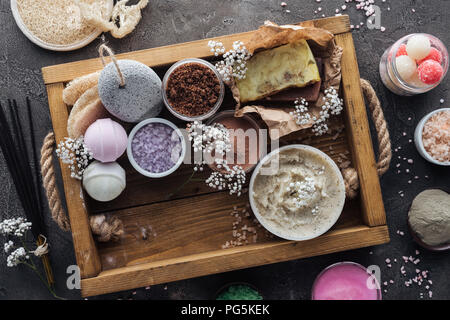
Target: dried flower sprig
[[74, 153], [232, 178], [18, 228], [214, 141], [207, 139], [234, 63], [332, 105]]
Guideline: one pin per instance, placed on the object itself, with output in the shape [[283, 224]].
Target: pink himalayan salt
[[436, 136]]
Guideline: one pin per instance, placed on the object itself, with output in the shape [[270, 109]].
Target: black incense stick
[[15, 151]]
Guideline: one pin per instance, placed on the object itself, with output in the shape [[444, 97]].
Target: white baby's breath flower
[[74, 153], [17, 256], [8, 246], [14, 227]]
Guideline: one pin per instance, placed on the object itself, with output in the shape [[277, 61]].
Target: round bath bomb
[[429, 217], [104, 181], [139, 99], [106, 139], [418, 47], [406, 67], [430, 72]]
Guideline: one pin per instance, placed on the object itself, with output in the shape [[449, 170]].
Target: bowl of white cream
[[297, 192]]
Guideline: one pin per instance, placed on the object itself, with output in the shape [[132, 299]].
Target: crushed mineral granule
[[436, 136], [244, 228], [57, 22]]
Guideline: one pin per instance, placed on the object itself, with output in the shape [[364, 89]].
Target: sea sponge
[[85, 112], [139, 99], [75, 89], [126, 16]]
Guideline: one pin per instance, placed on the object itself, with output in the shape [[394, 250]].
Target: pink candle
[[345, 281]]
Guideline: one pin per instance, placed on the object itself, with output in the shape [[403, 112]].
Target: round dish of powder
[[244, 135], [156, 147], [57, 25]]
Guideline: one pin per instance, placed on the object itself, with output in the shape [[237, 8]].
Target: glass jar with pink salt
[[346, 281], [415, 64], [156, 147], [432, 137]]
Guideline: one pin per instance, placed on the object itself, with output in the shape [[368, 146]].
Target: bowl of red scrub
[[432, 137], [245, 139], [156, 148], [346, 281]]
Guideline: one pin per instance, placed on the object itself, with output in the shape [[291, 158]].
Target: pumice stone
[[106, 139], [140, 98], [104, 181]]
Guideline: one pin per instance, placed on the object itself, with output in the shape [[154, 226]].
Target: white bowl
[[136, 165], [340, 200], [51, 46], [418, 141]]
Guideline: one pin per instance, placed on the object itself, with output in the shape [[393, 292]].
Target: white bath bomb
[[406, 67], [104, 181], [139, 99], [429, 217], [418, 47]]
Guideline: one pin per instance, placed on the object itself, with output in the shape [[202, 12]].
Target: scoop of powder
[[429, 217]]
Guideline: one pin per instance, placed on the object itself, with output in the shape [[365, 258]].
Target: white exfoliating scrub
[[303, 198]]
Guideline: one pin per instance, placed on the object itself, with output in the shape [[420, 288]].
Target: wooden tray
[[184, 236]]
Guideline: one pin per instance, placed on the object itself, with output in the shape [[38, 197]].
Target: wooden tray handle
[[384, 142]]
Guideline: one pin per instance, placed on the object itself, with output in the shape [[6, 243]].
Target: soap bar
[[106, 139], [309, 93], [273, 70], [104, 181]]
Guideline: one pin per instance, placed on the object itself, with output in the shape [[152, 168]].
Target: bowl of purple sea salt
[[156, 148]]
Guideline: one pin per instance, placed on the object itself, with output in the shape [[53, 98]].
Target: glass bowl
[[205, 115], [392, 79]]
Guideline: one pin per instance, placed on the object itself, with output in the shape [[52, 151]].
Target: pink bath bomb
[[106, 139]]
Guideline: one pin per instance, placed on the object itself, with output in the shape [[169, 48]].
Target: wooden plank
[[188, 226], [172, 53], [85, 250], [230, 259], [359, 134]]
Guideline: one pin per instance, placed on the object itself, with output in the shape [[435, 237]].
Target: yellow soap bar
[[273, 70]]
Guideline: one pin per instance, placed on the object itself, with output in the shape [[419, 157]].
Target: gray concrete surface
[[167, 22]]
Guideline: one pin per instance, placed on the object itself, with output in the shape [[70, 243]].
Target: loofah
[[58, 22], [85, 112], [75, 89], [138, 99], [126, 16]]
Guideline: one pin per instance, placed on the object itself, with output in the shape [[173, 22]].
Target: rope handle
[[106, 228], [384, 142]]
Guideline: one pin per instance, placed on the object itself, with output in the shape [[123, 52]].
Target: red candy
[[430, 72], [401, 51], [435, 55]]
